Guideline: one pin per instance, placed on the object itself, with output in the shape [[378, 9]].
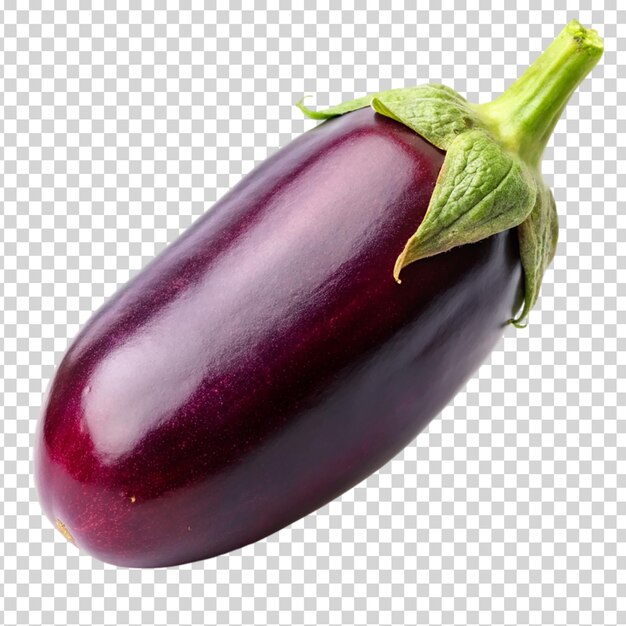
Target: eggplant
[[274, 355]]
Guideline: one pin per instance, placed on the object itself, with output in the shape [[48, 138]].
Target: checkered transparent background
[[121, 123]]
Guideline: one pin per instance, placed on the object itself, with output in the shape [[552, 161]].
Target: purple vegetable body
[[268, 361]]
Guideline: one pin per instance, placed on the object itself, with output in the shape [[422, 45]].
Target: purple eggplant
[[270, 358]]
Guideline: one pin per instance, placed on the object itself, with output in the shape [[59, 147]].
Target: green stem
[[525, 115]]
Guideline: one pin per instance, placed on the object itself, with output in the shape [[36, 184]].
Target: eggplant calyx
[[490, 180]]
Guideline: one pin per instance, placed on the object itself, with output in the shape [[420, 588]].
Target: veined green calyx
[[490, 180]]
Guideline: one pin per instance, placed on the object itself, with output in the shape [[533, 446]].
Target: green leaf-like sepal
[[434, 111], [340, 109], [481, 190], [538, 236]]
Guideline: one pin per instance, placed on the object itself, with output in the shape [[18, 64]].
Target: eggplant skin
[[267, 360]]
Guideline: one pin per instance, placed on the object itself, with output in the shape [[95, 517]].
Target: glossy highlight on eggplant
[[267, 361]]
